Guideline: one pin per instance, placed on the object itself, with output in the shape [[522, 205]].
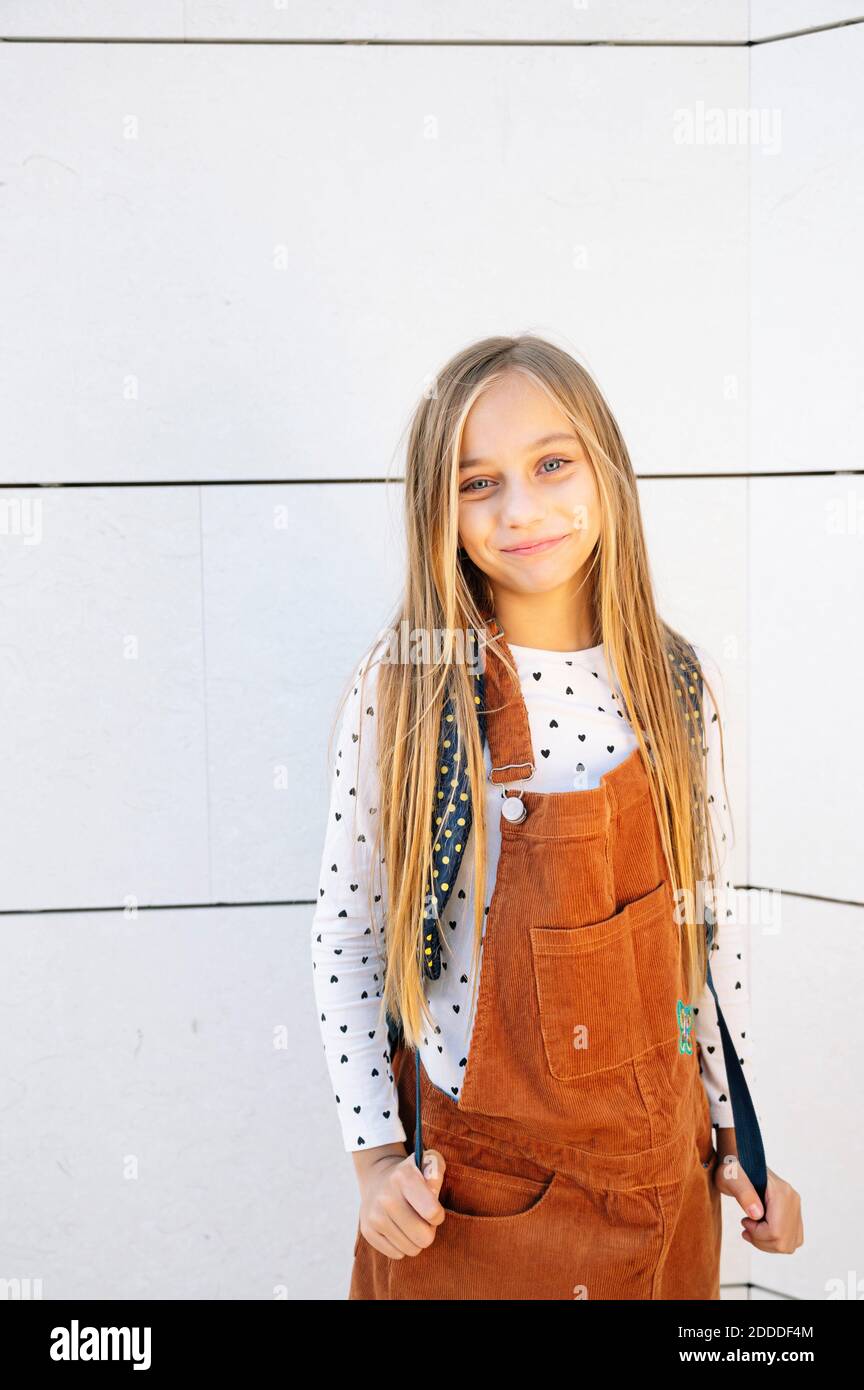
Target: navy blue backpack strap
[[748, 1136]]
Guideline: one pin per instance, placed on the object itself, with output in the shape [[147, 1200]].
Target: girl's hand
[[399, 1207], [779, 1229]]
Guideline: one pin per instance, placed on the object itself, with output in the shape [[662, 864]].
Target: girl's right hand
[[399, 1207]]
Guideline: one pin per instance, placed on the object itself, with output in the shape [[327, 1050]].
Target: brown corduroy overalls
[[580, 1156]]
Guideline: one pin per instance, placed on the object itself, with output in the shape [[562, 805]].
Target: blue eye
[[473, 485]]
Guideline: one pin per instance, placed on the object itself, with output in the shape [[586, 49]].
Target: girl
[[571, 1050]]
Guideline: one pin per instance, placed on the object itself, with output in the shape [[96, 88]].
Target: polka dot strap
[[452, 819], [688, 677], [451, 823]]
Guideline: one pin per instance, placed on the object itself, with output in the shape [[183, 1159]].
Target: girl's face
[[529, 509]]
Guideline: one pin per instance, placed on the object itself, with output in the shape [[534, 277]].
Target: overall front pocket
[[493, 1242], [481, 1192], [608, 992]]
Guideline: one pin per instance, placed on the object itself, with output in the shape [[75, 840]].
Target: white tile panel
[[283, 632], [808, 228], [226, 246], [169, 1127], [806, 579], [272, 641], [512, 20], [102, 726], [91, 19], [582, 20], [771, 17], [298, 581], [696, 530], [808, 1037]]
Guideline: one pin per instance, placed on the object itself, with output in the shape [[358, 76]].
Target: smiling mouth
[[535, 549]]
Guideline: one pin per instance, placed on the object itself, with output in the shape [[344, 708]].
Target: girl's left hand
[[779, 1230]]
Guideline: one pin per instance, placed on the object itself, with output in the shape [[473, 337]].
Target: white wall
[[368, 20], [805, 585], [235, 265], [213, 219]]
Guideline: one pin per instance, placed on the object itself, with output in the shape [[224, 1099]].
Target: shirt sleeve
[[347, 945], [730, 964]]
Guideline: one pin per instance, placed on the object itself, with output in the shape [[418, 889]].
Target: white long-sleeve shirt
[[578, 732]]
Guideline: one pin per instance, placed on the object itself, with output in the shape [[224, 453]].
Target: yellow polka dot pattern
[[451, 824], [688, 679]]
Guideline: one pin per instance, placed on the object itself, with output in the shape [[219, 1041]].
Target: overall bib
[[580, 1156]]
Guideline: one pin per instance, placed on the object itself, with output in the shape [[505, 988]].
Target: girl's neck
[[563, 629]]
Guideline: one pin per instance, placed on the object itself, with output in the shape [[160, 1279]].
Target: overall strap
[[748, 1136], [510, 748]]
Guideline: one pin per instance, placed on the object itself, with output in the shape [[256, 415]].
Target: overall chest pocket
[[608, 992]]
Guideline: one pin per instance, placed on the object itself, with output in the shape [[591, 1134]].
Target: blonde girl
[[524, 952]]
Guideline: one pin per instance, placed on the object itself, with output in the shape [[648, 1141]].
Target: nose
[[520, 506]]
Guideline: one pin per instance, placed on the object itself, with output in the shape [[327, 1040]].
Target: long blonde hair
[[445, 593]]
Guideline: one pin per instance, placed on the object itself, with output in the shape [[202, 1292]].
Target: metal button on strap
[[514, 809]]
